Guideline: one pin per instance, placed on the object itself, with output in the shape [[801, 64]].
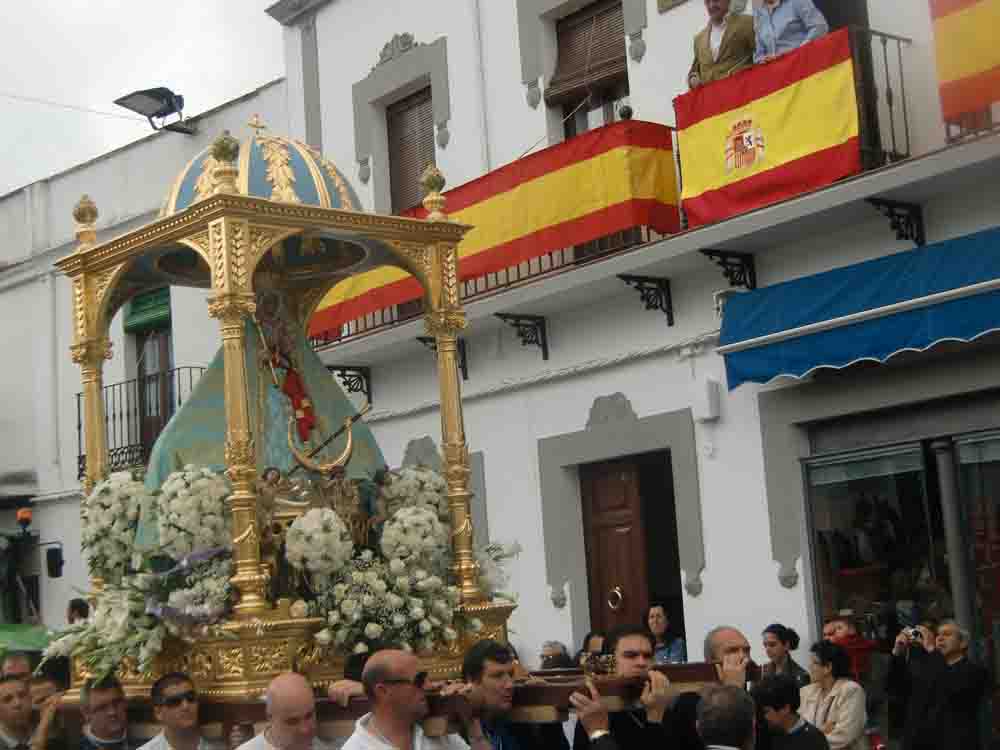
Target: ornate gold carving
[[249, 534], [231, 307], [217, 250], [449, 273], [91, 353], [269, 658], [433, 183], [444, 323], [79, 309], [197, 663], [279, 170], [329, 467], [204, 186], [85, 211], [238, 256], [231, 662], [239, 450]]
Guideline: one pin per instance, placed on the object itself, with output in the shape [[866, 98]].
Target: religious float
[[266, 533]]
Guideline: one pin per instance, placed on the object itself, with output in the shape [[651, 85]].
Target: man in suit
[[723, 47], [945, 689]]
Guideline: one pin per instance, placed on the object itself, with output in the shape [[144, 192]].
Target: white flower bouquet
[[415, 536], [374, 601], [415, 486], [192, 513], [109, 517], [492, 558], [320, 544]]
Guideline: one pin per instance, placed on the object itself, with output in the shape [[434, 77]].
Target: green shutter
[[148, 310]]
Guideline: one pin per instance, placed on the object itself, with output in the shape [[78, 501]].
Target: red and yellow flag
[[593, 185], [770, 132], [968, 54]]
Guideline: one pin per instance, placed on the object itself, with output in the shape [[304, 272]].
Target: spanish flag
[[593, 185], [968, 54], [769, 133]]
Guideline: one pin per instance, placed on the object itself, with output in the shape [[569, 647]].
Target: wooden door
[[155, 386], [615, 542]]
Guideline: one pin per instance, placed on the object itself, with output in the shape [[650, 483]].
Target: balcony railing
[[135, 412]]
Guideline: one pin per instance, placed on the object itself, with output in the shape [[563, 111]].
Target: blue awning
[[910, 301]]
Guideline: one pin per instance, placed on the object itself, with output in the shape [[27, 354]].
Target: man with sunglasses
[[175, 706], [395, 686]]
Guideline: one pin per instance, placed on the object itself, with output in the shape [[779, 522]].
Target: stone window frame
[[404, 68], [535, 20], [613, 431]]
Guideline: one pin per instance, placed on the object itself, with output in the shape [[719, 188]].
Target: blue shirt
[[674, 652], [787, 27]]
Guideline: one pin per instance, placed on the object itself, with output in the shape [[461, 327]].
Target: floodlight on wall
[[158, 104]]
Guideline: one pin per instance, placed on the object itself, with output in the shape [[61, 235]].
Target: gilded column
[[444, 322], [232, 306], [90, 355]]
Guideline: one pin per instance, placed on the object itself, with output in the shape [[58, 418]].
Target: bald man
[[291, 716], [395, 685]]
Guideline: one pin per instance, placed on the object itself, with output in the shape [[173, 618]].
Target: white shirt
[[364, 739], [159, 742], [715, 39], [259, 742]]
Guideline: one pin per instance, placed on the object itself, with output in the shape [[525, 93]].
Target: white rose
[[361, 648], [396, 566], [424, 627], [373, 630], [324, 637], [398, 620], [449, 633], [299, 609]]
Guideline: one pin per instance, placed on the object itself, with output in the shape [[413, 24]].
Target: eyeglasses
[[418, 680], [173, 701]]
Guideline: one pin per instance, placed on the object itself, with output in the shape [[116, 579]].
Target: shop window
[[979, 486], [879, 547], [410, 128]]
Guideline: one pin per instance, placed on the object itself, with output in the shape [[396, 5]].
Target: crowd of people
[[733, 41], [781, 705]]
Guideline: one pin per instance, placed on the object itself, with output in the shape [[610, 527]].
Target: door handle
[[615, 598]]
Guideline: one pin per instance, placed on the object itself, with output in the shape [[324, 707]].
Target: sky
[[87, 53]]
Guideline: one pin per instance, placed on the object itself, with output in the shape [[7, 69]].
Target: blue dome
[[269, 167]]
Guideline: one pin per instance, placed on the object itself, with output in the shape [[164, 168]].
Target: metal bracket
[[531, 330], [905, 219], [354, 379], [738, 268], [654, 291], [463, 362]]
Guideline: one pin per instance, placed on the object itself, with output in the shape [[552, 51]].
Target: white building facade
[[717, 481]]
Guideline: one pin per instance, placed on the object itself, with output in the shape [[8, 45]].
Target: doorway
[[630, 540], [155, 384]]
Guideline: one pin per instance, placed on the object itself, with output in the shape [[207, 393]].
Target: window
[[591, 75], [410, 128]]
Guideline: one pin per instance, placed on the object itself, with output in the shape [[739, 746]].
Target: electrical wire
[[75, 108]]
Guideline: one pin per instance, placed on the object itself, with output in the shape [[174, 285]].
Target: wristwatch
[[597, 734]]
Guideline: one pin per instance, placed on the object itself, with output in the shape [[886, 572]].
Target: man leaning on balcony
[[785, 25], [724, 46]]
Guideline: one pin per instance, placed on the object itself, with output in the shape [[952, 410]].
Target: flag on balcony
[[968, 55], [770, 132], [604, 181]]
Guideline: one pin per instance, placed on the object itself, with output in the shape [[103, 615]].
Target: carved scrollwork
[[239, 450], [231, 308], [279, 170], [310, 654], [91, 353], [79, 308], [449, 272], [238, 257], [231, 662], [204, 187], [198, 664], [269, 658], [217, 252]]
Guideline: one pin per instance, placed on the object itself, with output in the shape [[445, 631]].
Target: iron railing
[[883, 108], [135, 411]]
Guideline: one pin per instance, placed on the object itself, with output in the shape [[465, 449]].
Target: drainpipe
[[477, 38]]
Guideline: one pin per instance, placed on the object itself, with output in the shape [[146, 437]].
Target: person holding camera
[[945, 689]]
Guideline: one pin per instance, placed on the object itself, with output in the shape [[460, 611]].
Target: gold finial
[[85, 214], [225, 150], [257, 125], [433, 182]]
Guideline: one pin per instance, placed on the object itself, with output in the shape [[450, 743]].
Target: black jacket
[[807, 737], [629, 729], [515, 736], [942, 701]]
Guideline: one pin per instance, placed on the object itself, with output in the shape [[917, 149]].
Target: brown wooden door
[[615, 543], [155, 386]]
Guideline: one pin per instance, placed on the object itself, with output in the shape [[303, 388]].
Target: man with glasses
[[395, 686], [102, 704], [175, 706]]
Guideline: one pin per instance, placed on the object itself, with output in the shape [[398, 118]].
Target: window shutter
[[148, 311], [591, 55], [410, 125]]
